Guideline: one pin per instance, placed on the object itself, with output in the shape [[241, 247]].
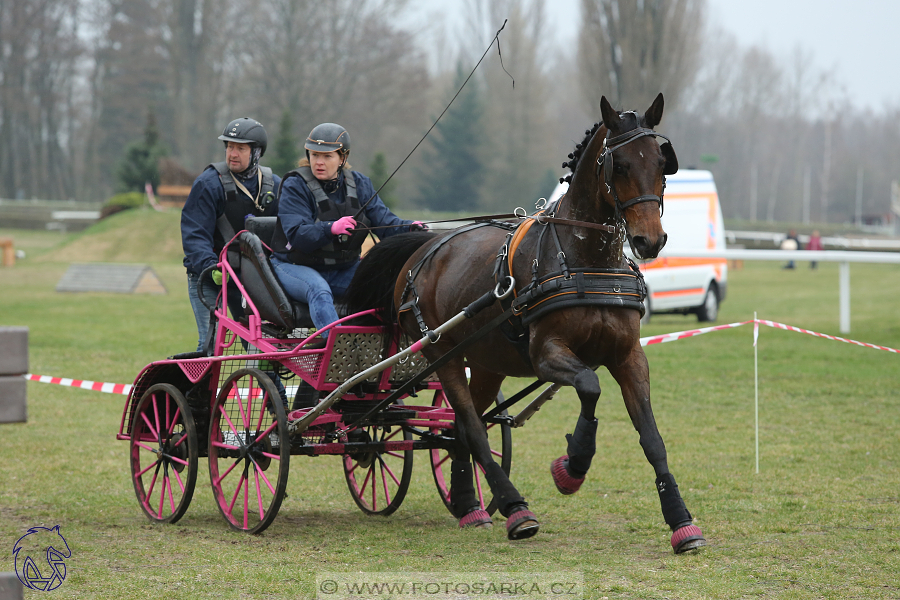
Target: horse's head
[[625, 172]]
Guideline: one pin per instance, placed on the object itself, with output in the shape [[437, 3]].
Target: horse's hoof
[[687, 538], [521, 525], [478, 519], [565, 483]]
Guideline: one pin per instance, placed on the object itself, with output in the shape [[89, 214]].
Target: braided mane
[[575, 155]]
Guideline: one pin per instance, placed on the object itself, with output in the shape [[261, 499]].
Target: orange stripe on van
[[675, 261], [671, 293]]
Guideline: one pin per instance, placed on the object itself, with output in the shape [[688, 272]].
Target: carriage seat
[[264, 289], [262, 227]]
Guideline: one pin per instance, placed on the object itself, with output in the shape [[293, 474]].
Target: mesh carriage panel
[[354, 353]]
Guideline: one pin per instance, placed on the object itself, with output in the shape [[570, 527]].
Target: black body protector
[[342, 250], [238, 206]]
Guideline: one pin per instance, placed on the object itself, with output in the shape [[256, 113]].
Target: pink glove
[[343, 226], [418, 225]]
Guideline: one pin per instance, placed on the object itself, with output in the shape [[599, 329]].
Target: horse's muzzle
[[644, 248]]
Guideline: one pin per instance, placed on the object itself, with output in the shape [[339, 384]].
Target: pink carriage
[[262, 395]]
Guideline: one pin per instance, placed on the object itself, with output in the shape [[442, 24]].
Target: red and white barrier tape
[[680, 335], [97, 386], [824, 335], [125, 389]]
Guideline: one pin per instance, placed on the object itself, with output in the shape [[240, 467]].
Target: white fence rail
[[844, 257]]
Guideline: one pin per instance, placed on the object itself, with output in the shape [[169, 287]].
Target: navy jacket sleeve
[[198, 221], [379, 214]]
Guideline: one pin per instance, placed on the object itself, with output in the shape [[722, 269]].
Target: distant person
[[791, 242], [815, 243], [221, 198], [321, 203]]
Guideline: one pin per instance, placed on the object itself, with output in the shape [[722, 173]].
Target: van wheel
[[709, 310]]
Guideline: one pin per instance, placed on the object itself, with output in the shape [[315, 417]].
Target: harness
[[568, 287], [239, 206], [341, 250], [605, 163]]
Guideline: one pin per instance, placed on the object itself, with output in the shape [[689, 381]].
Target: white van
[[693, 221]]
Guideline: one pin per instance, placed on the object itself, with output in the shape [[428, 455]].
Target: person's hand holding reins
[[343, 226]]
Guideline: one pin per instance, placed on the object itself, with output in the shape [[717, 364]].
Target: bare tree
[[38, 51], [630, 50], [520, 131]]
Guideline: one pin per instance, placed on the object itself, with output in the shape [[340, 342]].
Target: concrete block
[[13, 350], [10, 587], [12, 399]]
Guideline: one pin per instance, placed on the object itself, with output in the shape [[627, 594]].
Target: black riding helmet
[[246, 131], [328, 137]]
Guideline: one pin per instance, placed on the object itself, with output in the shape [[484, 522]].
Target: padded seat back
[[263, 227], [265, 290]]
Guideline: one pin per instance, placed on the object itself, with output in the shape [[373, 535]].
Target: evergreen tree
[[140, 162], [455, 170], [285, 153], [378, 173]]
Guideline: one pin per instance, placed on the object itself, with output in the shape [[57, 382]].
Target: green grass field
[[820, 520]]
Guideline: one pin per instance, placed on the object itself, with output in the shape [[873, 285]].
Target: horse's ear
[[668, 152], [610, 116], [654, 114]]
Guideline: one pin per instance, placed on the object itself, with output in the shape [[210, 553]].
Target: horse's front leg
[[555, 362], [633, 377], [472, 436]]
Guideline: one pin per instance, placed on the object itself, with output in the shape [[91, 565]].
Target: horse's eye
[[619, 169]]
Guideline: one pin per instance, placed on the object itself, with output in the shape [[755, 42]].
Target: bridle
[[605, 162]]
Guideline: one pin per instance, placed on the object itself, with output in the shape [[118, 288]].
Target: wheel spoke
[[162, 495], [478, 487], [246, 498], [224, 445], [156, 416], [145, 447], [150, 466], [178, 479], [171, 495], [256, 474], [441, 462], [384, 483], [266, 479], [230, 424], [237, 397], [181, 439], [384, 466], [150, 427], [152, 483], [225, 474], [176, 459], [236, 491]]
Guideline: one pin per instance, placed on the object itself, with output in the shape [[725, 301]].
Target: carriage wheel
[[249, 451], [500, 439], [378, 481], [163, 449]]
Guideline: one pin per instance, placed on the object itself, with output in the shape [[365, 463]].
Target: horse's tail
[[377, 273]]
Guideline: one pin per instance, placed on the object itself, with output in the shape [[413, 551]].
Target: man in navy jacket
[[221, 198]]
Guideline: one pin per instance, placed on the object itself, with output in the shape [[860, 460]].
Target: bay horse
[[619, 158]]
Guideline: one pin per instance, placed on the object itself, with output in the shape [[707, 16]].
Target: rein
[[487, 218]]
